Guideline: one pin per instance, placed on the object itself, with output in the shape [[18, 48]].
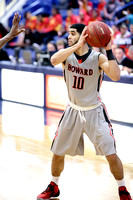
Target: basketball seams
[[106, 32], [88, 38], [104, 29], [95, 29]]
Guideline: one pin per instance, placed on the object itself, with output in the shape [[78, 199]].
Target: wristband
[[110, 55]]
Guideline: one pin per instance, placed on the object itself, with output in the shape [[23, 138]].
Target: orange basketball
[[98, 34]]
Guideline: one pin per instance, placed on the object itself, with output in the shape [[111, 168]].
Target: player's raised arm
[[15, 30], [109, 64]]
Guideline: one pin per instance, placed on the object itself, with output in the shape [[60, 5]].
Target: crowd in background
[[45, 34]]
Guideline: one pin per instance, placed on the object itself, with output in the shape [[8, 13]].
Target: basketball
[[98, 34]]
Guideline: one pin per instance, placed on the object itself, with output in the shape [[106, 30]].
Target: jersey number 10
[[78, 83]]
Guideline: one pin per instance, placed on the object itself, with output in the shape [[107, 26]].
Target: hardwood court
[[26, 134]]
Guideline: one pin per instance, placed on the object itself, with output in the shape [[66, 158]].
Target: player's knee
[[58, 158], [111, 158]]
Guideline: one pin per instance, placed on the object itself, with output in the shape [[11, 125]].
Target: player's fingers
[[19, 18], [85, 35], [16, 17], [84, 30]]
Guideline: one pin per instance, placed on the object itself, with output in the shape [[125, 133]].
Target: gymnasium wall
[[45, 87]]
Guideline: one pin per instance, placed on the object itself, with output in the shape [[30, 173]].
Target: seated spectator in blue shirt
[[130, 16]]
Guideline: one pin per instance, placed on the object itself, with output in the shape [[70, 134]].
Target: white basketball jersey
[[83, 79]]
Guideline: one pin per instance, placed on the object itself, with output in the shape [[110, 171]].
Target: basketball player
[[83, 71], [14, 30]]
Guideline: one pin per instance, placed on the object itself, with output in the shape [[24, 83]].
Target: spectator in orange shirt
[[83, 18], [84, 4], [55, 21], [54, 25], [101, 5], [30, 21], [95, 16], [42, 23], [71, 19]]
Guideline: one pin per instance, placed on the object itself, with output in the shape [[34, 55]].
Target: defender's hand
[[15, 30]]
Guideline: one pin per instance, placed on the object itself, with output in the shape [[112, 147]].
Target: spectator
[[130, 53], [123, 38], [109, 11], [41, 26], [54, 25], [83, 18], [114, 47], [43, 57], [95, 16], [55, 21], [101, 5], [115, 30], [30, 21], [85, 5], [131, 31], [29, 38], [61, 44], [51, 47], [42, 23], [130, 16], [71, 19], [3, 30], [61, 34], [126, 65]]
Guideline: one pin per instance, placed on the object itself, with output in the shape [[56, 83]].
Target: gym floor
[[26, 135]]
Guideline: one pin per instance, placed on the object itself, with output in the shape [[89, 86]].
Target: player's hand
[[108, 46], [15, 30], [82, 39]]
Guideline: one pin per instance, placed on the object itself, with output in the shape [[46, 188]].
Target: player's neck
[[83, 50]]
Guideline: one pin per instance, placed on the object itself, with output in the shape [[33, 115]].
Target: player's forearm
[[63, 54], [114, 70], [5, 39]]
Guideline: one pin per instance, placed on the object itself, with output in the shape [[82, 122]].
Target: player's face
[[73, 36]]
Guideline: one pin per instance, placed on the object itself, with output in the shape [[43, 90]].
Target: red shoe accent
[[124, 194], [51, 191]]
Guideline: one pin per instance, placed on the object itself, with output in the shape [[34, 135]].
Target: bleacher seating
[[121, 8], [44, 7]]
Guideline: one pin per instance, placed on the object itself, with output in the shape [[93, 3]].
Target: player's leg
[[104, 142], [52, 190], [116, 169], [116, 166], [68, 140], [57, 165]]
